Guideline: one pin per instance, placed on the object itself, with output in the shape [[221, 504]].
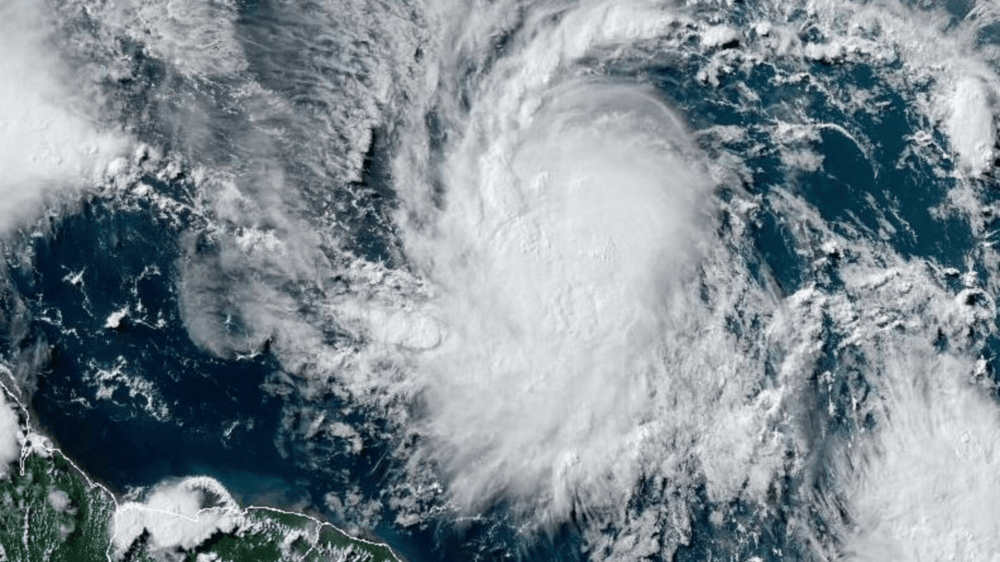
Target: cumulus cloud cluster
[[971, 125], [176, 515], [11, 436], [926, 487]]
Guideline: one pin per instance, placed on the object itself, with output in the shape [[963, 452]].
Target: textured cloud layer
[[928, 484], [556, 255], [176, 515], [563, 259], [47, 142], [566, 219], [11, 437]]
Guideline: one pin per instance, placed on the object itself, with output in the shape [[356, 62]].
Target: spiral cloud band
[[556, 252]]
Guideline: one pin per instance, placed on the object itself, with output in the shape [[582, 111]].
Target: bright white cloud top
[[971, 124], [11, 437], [177, 515], [556, 256], [48, 142]]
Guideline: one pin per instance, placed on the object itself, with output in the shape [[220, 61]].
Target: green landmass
[[52, 513], [276, 536]]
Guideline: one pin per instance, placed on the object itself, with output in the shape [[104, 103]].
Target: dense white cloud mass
[[11, 437], [564, 263], [971, 124], [556, 256], [177, 515], [47, 142], [927, 486]]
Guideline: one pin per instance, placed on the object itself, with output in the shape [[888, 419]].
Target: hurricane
[[511, 279]]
